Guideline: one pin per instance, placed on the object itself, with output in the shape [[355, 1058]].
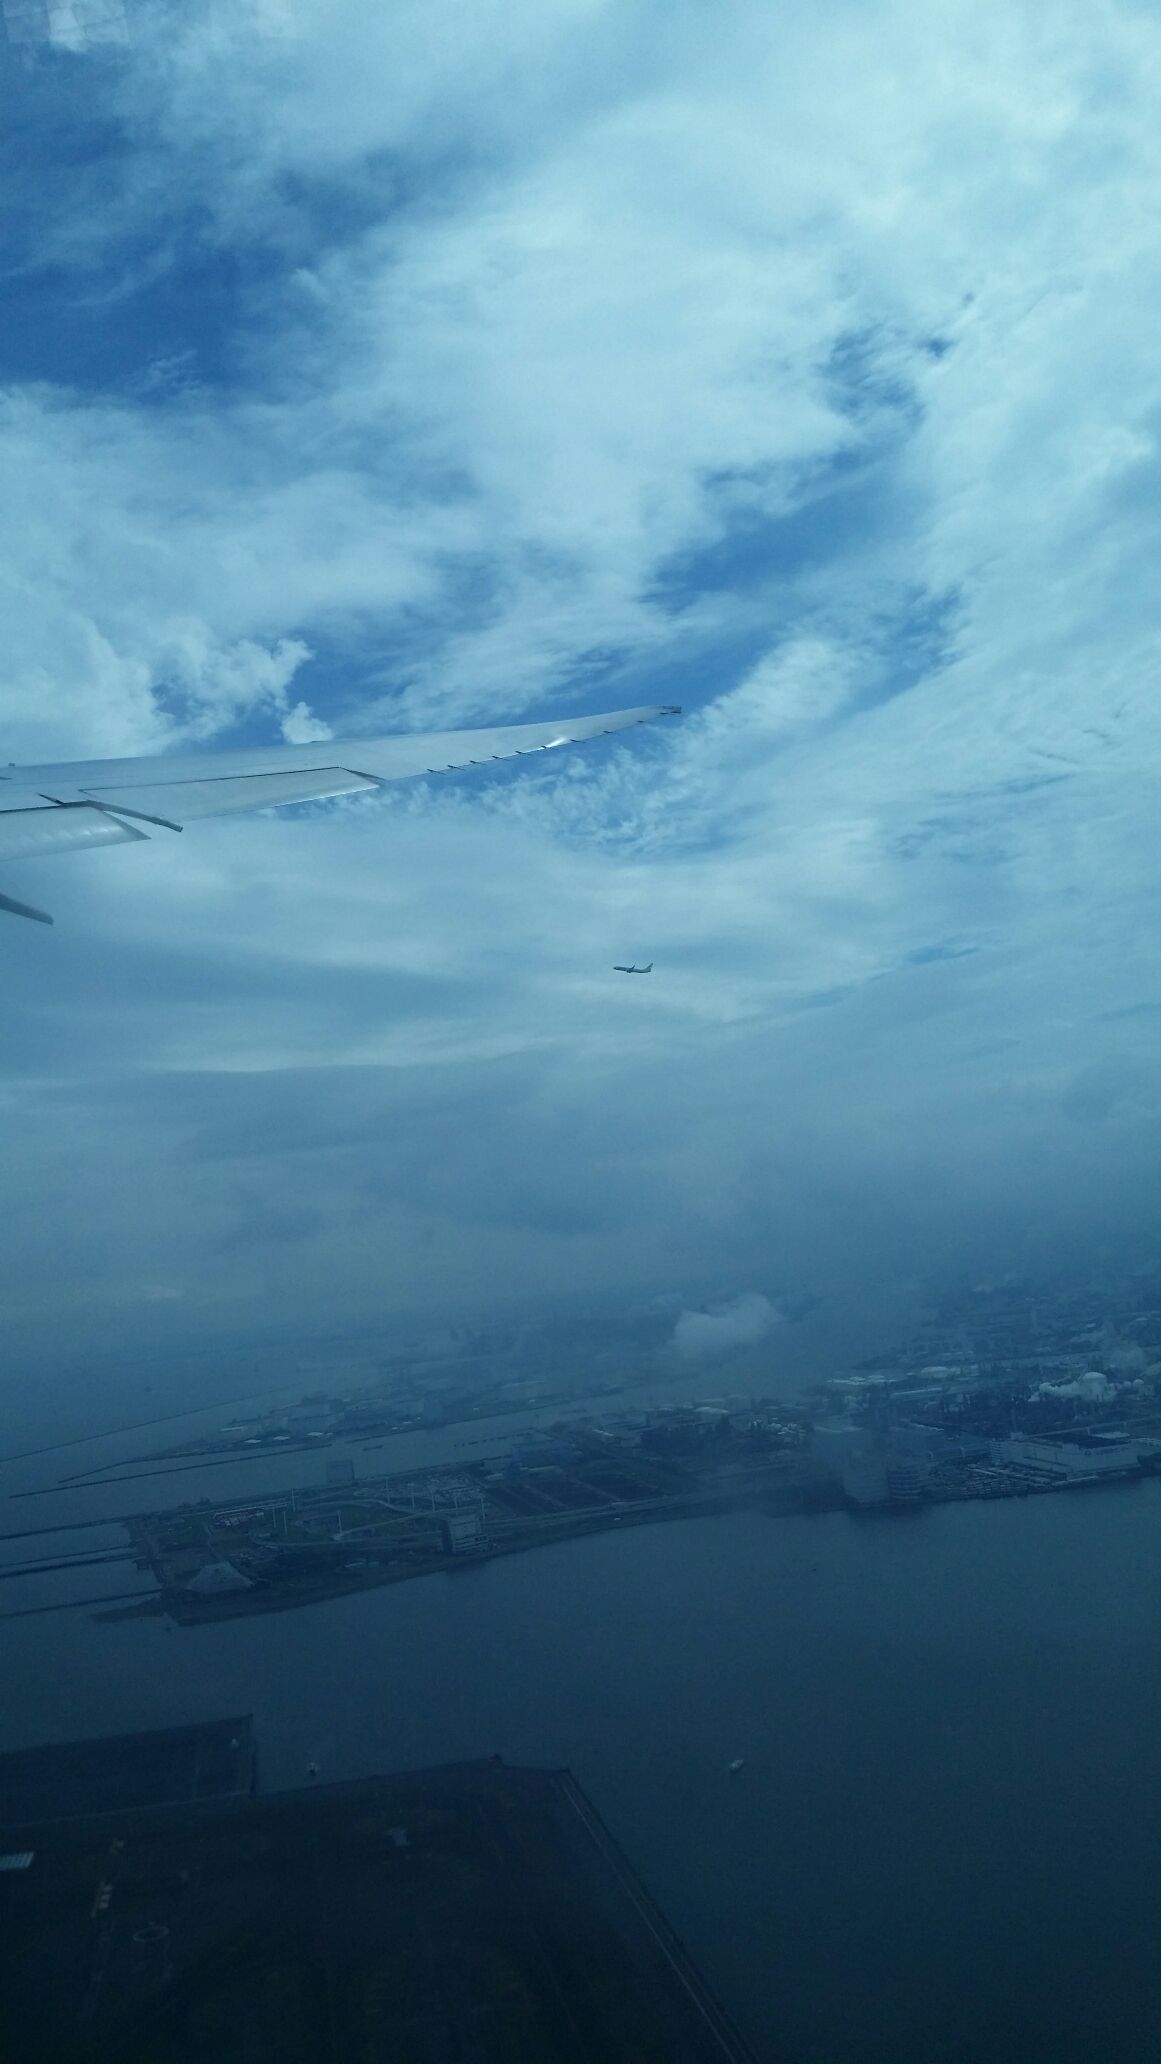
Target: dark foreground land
[[172, 1766], [475, 1912]]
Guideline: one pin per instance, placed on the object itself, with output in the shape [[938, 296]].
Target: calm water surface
[[944, 1842]]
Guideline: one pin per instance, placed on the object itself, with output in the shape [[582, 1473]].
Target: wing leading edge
[[106, 802]]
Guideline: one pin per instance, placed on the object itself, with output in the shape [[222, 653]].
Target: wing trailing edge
[[77, 805]]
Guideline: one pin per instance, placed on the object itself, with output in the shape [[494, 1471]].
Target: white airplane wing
[[105, 802]]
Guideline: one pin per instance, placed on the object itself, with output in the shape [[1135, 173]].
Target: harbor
[[350, 1529], [872, 1669], [354, 1532], [429, 1467]]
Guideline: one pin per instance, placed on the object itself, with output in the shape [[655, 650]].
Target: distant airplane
[[633, 970], [86, 803]]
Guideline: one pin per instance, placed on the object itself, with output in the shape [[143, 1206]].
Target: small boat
[[737, 1763]]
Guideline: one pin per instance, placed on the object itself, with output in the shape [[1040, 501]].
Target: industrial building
[[462, 1532], [1078, 1458], [874, 1474], [908, 1476]]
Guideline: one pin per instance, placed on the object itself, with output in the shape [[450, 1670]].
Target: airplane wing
[[89, 803]]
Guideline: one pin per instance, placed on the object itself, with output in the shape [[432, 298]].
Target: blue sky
[[372, 367]]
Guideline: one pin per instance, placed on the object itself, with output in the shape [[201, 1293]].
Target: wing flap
[[74, 806], [47, 828], [183, 802]]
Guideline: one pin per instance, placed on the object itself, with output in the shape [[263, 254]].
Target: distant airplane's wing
[[106, 802]]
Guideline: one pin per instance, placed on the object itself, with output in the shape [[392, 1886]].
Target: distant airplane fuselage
[[618, 970]]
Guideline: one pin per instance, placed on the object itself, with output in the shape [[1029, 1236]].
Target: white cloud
[[743, 1322], [301, 727], [565, 390], [615, 334]]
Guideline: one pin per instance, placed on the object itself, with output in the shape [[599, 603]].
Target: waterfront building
[[461, 1532], [1077, 1459], [885, 1476], [864, 1478], [907, 1477]]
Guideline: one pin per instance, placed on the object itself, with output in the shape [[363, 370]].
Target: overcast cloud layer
[[370, 367]]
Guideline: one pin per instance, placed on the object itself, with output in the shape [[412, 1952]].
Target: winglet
[[24, 910]]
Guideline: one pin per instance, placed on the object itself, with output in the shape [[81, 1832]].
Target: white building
[[462, 1532], [1066, 1461], [907, 1476]]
